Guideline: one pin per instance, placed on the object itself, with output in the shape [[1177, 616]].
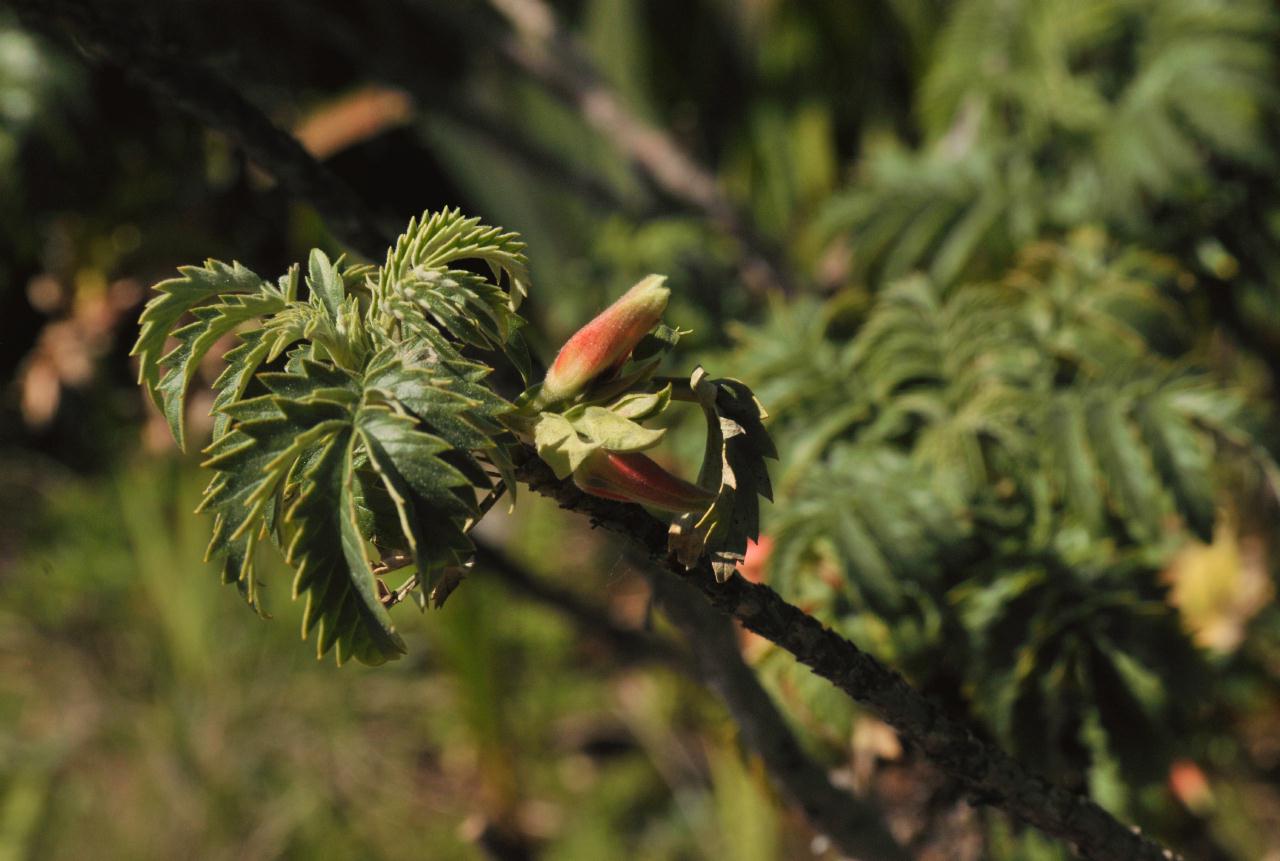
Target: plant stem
[[989, 774]]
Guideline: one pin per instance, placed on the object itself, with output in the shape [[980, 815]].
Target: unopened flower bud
[[635, 477], [606, 341]]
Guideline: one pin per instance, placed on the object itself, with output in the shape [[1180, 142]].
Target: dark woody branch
[[586, 616], [443, 102], [989, 774], [854, 826]]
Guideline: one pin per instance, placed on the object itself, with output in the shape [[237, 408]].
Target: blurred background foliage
[[1023, 382]]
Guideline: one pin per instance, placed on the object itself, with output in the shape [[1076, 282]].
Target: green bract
[[603, 414]]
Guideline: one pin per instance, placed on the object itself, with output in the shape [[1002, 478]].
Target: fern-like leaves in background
[[1040, 115], [990, 476]]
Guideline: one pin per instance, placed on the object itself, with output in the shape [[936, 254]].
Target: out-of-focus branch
[[854, 826], [543, 50], [586, 616], [538, 160], [119, 39], [437, 101], [989, 774]]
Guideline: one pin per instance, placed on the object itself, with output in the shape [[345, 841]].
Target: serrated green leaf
[[333, 569], [516, 349], [309, 380], [381, 435], [326, 284], [421, 487], [733, 464], [857, 502], [395, 442], [1184, 458], [437, 240], [243, 361], [195, 339], [464, 305], [294, 323], [1076, 475], [238, 566], [421, 291], [444, 396], [176, 297]]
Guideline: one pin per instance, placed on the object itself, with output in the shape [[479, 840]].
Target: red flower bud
[[635, 477], [606, 341], [752, 566]]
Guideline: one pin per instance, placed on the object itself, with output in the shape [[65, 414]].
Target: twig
[[404, 590], [119, 40], [543, 50], [854, 826], [989, 774]]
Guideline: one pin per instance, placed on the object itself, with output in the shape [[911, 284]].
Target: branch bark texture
[[854, 826], [989, 774]]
